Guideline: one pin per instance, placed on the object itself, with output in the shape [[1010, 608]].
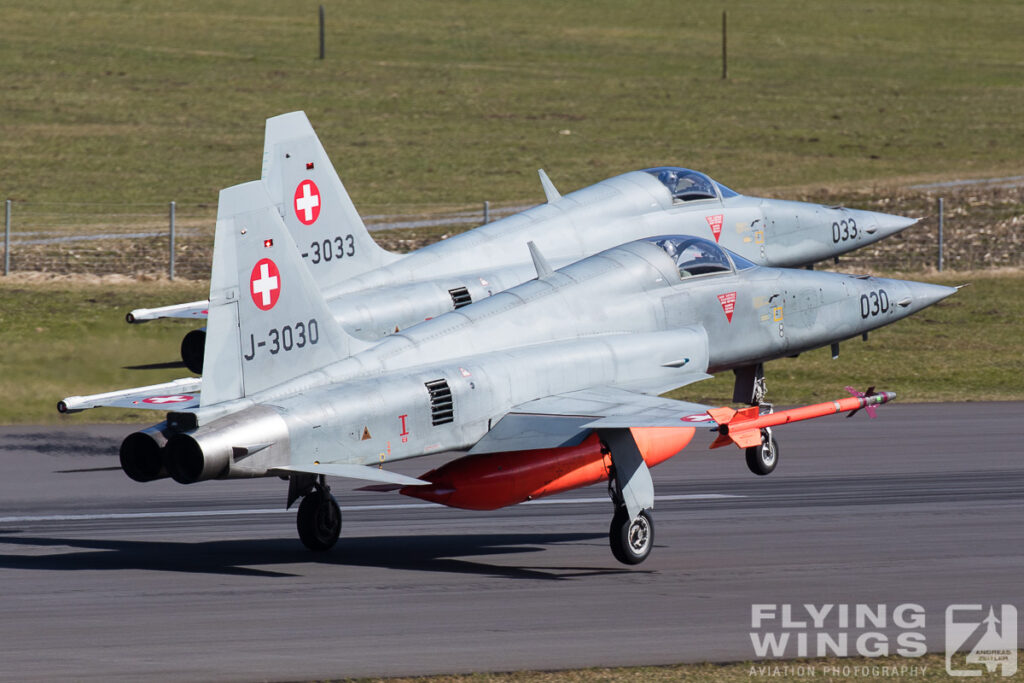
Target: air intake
[[442, 410], [460, 297]]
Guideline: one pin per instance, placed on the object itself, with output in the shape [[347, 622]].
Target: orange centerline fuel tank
[[489, 481]]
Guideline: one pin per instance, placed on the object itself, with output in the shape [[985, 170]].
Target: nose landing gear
[[761, 460]]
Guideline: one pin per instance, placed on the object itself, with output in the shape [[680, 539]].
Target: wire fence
[[983, 228], [175, 239]]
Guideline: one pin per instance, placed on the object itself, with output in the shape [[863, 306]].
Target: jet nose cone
[[880, 225], [921, 295]]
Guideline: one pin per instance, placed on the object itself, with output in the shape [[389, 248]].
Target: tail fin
[[324, 223], [268, 322]]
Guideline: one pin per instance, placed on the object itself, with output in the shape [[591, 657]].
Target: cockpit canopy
[[687, 186], [698, 256]]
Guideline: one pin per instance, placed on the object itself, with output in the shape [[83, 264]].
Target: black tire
[[319, 521], [631, 542], [193, 346], [762, 460]]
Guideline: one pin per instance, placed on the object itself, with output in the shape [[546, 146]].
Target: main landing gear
[[631, 540], [319, 518]]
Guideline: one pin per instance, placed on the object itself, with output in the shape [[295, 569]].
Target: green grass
[[64, 338], [68, 337], [427, 103], [930, 667]]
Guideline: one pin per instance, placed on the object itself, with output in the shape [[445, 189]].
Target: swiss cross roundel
[[307, 202], [265, 284], [158, 400]]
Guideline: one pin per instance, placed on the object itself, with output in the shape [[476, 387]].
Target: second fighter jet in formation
[[372, 292]]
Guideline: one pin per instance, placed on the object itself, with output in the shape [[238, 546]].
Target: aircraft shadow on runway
[[434, 553], [48, 444]]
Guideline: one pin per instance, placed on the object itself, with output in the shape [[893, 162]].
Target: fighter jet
[[371, 291], [549, 385]]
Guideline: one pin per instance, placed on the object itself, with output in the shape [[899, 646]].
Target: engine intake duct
[[142, 454]]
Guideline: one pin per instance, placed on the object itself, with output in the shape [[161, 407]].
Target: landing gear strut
[[750, 388], [319, 518]]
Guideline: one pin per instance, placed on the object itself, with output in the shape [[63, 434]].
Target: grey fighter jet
[[547, 386], [371, 292]]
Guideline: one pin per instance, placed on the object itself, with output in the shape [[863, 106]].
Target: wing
[[193, 310], [566, 419], [180, 394]]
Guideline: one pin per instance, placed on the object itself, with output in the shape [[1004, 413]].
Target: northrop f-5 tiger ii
[[544, 387], [371, 291]]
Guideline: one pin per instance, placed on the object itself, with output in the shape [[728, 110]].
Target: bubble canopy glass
[[687, 185], [698, 256]]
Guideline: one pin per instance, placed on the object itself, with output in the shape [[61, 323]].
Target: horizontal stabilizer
[[354, 472], [193, 310], [179, 394]]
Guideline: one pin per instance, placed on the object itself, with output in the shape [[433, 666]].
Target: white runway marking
[[349, 508]]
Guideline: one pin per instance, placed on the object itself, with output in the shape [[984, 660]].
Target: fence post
[[725, 62], [940, 233], [487, 212], [170, 266], [7, 238], [321, 31]]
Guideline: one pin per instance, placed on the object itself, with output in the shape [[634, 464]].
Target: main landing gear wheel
[[319, 520], [631, 541], [762, 459]]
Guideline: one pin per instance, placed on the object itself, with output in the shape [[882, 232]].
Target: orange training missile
[[743, 427], [488, 481]]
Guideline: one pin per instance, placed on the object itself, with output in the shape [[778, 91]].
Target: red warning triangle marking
[[366, 434], [728, 302], [715, 223]]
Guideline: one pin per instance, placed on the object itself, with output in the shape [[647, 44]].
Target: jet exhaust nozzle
[[141, 454], [242, 445], [187, 461]]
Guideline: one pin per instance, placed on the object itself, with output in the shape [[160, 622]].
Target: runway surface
[[105, 578]]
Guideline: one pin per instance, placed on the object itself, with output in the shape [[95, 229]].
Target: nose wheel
[[761, 460], [631, 540], [319, 519]]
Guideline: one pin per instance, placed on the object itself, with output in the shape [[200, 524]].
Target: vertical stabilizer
[[268, 322], [316, 208]]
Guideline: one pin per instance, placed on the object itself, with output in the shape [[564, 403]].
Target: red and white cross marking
[[701, 417], [265, 284], [307, 202], [180, 398], [715, 223]]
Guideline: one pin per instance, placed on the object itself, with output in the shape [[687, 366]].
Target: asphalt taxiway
[[104, 578]]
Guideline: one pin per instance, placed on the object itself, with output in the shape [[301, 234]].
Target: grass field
[[446, 103], [69, 337], [930, 667], [438, 103]]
